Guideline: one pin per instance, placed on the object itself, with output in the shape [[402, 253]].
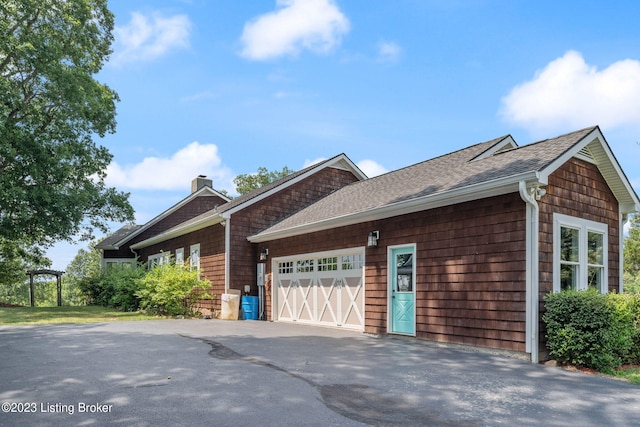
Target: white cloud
[[371, 168], [316, 25], [568, 94], [388, 51], [315, 161], [146, 38], [172, 173]]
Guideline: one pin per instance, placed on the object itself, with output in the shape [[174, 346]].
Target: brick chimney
[[199, 182]]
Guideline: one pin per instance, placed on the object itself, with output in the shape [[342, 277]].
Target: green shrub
[[634, 307], [623, 331], [115, 287], [171, 289], [584, 329], [125, 283], [96, 289]]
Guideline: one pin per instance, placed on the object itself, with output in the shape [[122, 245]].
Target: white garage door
[[324, 289]]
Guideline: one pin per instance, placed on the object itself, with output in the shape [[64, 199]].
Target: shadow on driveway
[[209, 372]]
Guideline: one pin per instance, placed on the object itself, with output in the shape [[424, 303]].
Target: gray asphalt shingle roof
[[117, 236], [442, 174], [215, 214]]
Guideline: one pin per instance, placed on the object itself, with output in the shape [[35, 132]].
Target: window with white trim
[[580, 255], [111, 263], [180, 256], [194, 255], [158, 259]]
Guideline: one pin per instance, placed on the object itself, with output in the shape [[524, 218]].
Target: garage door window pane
[[328, 264], [285, 267], [352, 262], [305, 266]]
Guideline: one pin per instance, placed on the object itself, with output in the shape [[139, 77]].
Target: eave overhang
[[459, 195], [204, 191], [180, 230], [606, 163]]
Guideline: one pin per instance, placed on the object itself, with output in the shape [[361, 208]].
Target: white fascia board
[[171, 210], [572, 152], [461, 195], [179, 231], [631, 204], [506, 141], [337, 160]]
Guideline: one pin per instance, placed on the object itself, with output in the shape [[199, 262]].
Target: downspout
[[623, 220], [137, 256], [532, 269], [226, 223]]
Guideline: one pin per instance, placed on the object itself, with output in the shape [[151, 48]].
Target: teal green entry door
[[403, 301]]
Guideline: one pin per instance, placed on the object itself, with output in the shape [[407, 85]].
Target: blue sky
[[222, 87]]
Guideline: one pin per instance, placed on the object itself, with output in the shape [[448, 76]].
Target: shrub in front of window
[[584, 329], [172, 289]]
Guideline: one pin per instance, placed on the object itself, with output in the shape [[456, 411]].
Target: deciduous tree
[[632, 247], [51, 110], [249, 182]]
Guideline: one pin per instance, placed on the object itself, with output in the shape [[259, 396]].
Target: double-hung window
[[180, 256], [194, 255], [162, 258], [580, 254]]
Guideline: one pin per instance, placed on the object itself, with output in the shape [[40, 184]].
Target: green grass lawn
[[630, 374], [51, 315]]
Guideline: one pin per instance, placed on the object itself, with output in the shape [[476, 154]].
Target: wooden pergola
[[56, 273]]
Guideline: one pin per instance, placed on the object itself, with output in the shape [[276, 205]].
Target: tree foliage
[[85, 267], [249, 182], [51, 108], [16, 258], [632, 257], [632, 247]]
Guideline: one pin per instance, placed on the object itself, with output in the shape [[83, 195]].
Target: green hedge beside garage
[[597, 331]]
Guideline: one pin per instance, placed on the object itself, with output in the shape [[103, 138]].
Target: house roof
[[482, 170], [126, 233], [110, 241], [222, 212]]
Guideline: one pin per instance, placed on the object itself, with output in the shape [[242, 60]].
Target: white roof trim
[[204, 191], [337, 162], [606, 163], [465, 194], [507, 143], [341, 161], [179, 230]]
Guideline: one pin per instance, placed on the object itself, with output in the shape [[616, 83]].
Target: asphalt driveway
[[243, 373]]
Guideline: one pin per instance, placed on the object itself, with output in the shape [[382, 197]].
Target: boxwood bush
[[598, 331]]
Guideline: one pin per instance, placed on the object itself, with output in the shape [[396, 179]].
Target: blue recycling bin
[[249, 306]]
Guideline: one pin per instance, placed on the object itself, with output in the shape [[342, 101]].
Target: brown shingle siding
[[470, 269], [195, 207], [268, 211], [578, 189]]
